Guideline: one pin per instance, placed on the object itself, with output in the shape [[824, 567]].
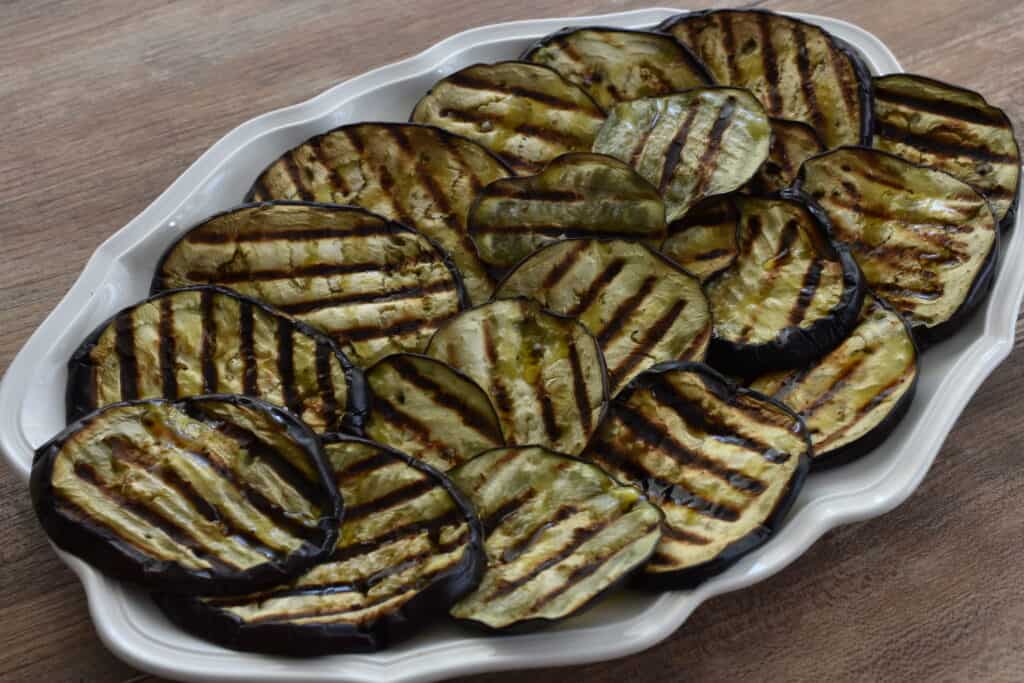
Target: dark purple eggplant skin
[[100, 548], [309, 640], [795, 346], [77, 393], [726, 389], [984, 280]]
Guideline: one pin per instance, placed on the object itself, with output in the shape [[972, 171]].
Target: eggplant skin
[[82, 397], [101, 548], [795, 344], [285, 638]]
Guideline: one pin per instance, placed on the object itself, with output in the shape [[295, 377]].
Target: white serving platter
[[118, 274]]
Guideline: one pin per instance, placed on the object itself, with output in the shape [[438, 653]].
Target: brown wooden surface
[[103, 104]]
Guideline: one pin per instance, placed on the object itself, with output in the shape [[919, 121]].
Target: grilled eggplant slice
[[724, 463], [854, 396], [927, 242], [420, 176], [692, 145], [954, 130], [704, 240], [791, 295], [641, 307], [409, 547], [798, 70], [792, 144], [374, 286], [560, 532], [544, 373], [428, 409], [206, 340], [209, 494], [576, 195], [616, 65], [525, 113]]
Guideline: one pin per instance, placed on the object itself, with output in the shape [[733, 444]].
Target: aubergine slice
[[544, 373], [559, 533], [374, 286], [615, 65], [853, 397], [724, 463], [209, 494], [798, 70], [429, 410], [420, 176], [409, 547], [691, 145], [789, 297], [576, 195], [927, 242], [704, 240], [209, 340], [952, 129], [792, 144], [525, 113], [641, 307]]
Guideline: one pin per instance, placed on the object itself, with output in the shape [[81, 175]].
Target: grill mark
[[551, 428], [371, 228], [650, 339], [549, 135], [401, 327], [506, 510], [325, 384], [167, 350], [790, 232], [286, 366], [807, 84], [712, 255], [432, 527], [839, 381], [579, 388], [374, 462], [753, 231], [468, 82], [683, 536], [517, 549], [336, 178], [869, 405], [209, 344], [728, 42], [641, 143], [602, 281], [946, 108], [563, 266], [781, 152], [907, 292], [501, 397], [769, 62], [354, 140], [124, 346], [260, 190], [714, 146], [675, 150], [556, 231], [883, 214], [807, 290], [506, 190], [625, 310], [403, 494], [247, 349], [391, 414], [387, 183], [356, 298], [291, 167], [698, 343], [309, 271], [465, 169], [851, 102], [939, 147]]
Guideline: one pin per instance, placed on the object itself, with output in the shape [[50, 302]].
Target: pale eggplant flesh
[[703, 241], [793, 143]]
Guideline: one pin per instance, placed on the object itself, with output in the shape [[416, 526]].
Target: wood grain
[[104, 103]]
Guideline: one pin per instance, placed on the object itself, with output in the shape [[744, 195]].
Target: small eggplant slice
[[576, 195], [409, 547], [544, 373], [559, 533], [704, 240], [429, 410], [525, 113], [641, 307], [792, 144], [692, 145], [790, 296], [853, 397], [952, 129], [927, 242], [211, 494], [374, 286], [724, 463], [617, 65], [420, 176], [209, 340], [798, 70]]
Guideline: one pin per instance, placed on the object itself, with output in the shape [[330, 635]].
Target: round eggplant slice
[[855, 395], [425, 408], [209, 340], [210, 494], [692, 145], [374, 286], [792, 144], [420, 176], [724, 463], [798, 70], [704, 240], [790, 296], [559, 532], [544, 373], [641, 307], [952, 129], [927, 242], [616, 65], [409, 547], [525, 113], [576, 195]]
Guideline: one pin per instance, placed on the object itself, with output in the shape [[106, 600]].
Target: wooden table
[[104, 103]]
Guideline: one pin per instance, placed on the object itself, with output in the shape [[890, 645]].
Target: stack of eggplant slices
[[588, 319]]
